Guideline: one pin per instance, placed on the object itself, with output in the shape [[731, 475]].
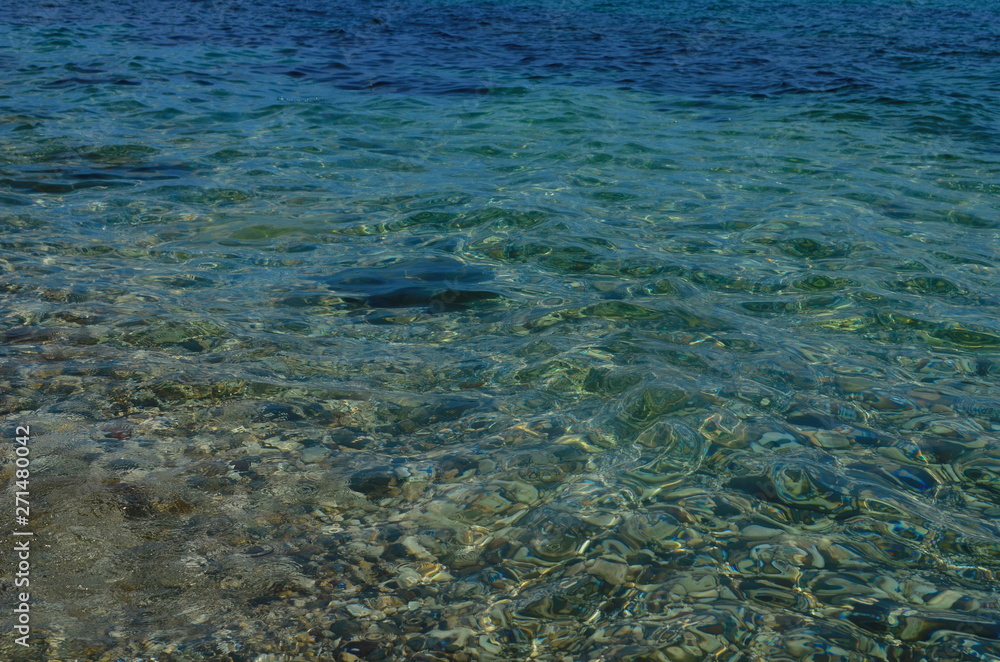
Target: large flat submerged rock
[[438, 282]]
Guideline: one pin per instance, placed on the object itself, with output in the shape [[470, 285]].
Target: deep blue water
[[505, 331]]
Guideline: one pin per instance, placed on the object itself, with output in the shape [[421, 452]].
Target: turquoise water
[[554, 331]]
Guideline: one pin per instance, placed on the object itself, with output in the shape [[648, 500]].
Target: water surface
[[500, 331]]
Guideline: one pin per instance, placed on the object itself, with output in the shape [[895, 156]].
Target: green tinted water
[[484, 364]]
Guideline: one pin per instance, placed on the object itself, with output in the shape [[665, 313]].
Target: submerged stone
[[375, 483], [440, 283]]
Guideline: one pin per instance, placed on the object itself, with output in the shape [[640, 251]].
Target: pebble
[[286, 445], [358, 611], [613, 573], [407, 578], [776, 438], [415, 549], [314, 454], [521, 492], [756, 532], [489, 645], [602, 520]]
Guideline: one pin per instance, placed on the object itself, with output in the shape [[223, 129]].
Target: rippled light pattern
[[499, 331]]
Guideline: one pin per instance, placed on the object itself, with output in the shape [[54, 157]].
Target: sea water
[[553, 330]]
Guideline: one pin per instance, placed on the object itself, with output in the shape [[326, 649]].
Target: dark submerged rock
[[440, 283]]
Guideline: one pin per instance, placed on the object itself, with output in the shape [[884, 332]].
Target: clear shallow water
[[556, 331]]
